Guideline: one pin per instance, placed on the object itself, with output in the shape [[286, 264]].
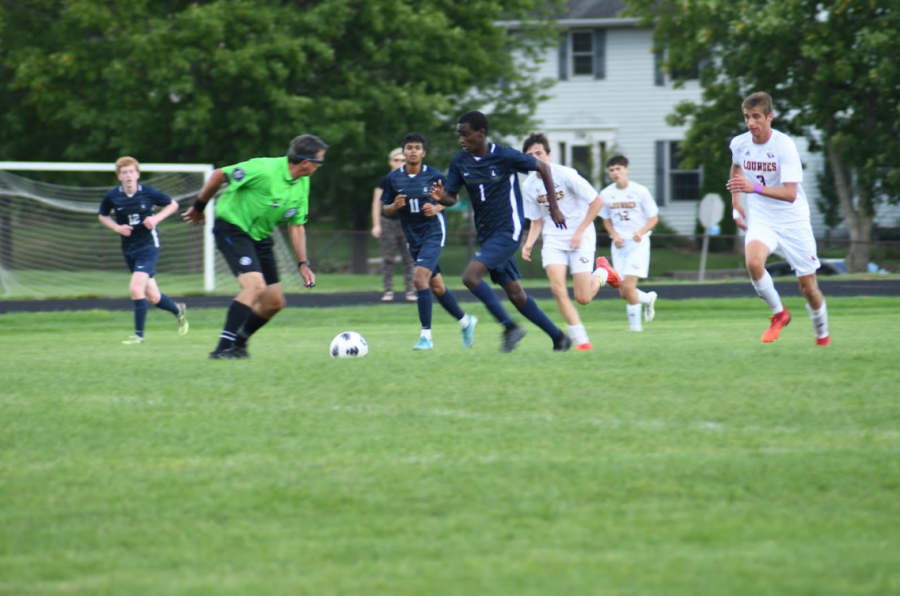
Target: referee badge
[[238, 174]]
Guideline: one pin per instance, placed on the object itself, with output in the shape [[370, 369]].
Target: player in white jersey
[[629, 215], [766, 166], [571, 248]]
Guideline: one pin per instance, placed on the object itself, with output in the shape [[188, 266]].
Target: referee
[[261, 193]]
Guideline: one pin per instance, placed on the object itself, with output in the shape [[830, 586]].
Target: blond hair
[[127, 161]]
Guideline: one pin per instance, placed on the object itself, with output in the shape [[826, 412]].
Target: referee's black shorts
[[244, 254]]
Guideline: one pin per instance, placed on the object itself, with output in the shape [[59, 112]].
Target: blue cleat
[[423, 344], [468, 332]]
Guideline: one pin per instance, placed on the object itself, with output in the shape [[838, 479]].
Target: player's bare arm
[[376, 212], [430, 209], [651, 223], [537, 226], [153, 221], [737, 210], [298, 242], [617, 240], [194, 214], [397, 205], [740, 184], [546, 173], [439, 195], [589, 217], [124, 229]]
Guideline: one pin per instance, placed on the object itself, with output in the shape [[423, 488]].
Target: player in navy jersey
[[489, 173], [407, 194], [136, 222]]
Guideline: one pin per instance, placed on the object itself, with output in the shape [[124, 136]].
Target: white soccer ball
[[349, 344]]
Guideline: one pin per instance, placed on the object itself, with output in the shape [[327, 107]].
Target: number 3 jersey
[[628, 208], [773, 163], [416, 225], [132, 211]]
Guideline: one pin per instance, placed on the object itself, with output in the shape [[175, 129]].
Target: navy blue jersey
[[493, 188], [133, 211], [416, 225]]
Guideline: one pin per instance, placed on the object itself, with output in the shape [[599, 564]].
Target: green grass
[[690, 459]]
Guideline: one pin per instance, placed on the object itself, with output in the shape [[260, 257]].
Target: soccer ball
[[349, 344]]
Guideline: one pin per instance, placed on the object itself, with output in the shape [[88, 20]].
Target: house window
[[660, 78], [674, 182], [583, 53]]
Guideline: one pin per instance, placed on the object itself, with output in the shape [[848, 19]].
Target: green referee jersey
[[261, 194]]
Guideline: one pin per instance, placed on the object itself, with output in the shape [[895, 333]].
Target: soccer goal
[[52, 244]]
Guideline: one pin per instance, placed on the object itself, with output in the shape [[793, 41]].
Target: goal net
[[52, 244]]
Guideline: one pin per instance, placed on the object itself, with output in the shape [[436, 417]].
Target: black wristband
[[299, 263], [199, 205]]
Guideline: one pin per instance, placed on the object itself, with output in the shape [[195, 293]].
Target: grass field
[[689, 460]]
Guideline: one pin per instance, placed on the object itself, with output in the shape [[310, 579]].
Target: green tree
[[225, 80], [831, 68]]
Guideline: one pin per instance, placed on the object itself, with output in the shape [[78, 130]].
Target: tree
[[831, 69], [224, 80]]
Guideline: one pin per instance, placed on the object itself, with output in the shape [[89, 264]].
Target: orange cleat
[[820, 341], [613, 278], [585, 347], [778, 321]]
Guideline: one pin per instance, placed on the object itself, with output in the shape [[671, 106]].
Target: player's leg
[[526, 305], [240, 253], [161, 300], [798, 245], [760, 242], [409, 268], [556, 273], [628, 292], [447, 299], [585, 285], [422, 281], [137, 288], [269, 303], [638, 266]]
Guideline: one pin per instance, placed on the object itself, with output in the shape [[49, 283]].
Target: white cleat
[[650, 307]]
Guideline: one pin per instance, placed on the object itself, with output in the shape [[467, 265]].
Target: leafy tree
[[831, 68], [225, 80]]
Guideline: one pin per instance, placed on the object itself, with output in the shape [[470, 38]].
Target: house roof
[[594, 9]]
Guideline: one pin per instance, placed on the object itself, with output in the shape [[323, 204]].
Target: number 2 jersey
[[773, 163], [416, 225], [628, 208], [133, 211]]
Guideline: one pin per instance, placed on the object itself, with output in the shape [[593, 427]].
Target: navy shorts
[[244, 254], [428, 254], [498, 254], [143, 261]]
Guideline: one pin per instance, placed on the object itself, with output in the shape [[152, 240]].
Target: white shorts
[[633, 258], [796, 245], [578, 261]]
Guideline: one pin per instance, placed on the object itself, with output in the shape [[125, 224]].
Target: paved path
[[313, 299]]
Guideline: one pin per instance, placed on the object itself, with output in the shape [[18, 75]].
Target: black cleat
[[511, 338], [562, 343], [232, 353]]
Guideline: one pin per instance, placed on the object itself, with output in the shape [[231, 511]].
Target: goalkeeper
[[261, 193]]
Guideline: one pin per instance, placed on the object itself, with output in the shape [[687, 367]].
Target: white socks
[[634, 316], [602, 273], [766, 290], [643, 297], [578, 334], [426, 333], [819, 320], [464, 322]]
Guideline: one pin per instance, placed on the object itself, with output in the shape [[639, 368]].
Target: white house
[[611, 97]]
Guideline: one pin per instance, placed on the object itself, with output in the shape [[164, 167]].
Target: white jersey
[[574, 196], [628, 208], [773, 163]]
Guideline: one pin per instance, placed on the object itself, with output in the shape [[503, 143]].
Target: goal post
[[50, 237]]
